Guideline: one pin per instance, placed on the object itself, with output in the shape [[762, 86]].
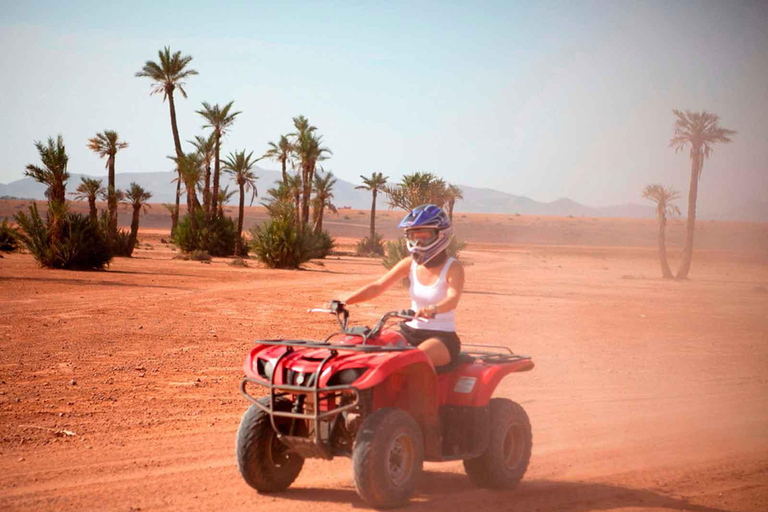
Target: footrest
[[306, 447]]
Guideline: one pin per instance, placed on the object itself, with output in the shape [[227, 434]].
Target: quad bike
[[366, 394]]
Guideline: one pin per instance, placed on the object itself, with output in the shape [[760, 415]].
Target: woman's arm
[[376, 288], [455, 280]]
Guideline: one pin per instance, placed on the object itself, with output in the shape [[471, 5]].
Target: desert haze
[[119, 389]]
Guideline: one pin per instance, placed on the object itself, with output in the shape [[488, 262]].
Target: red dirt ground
[[647, 394]]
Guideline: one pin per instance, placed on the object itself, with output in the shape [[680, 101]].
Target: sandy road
[[646, 394]]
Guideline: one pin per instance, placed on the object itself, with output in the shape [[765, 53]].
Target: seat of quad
[[464, 358]]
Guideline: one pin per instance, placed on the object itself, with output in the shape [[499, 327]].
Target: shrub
[[217, 237], [239, 262], [9, 238], [82, 245], [279, 243], [196, 255], [121, 245], [368, 247]]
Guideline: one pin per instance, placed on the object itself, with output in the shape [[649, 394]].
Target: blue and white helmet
[[427, 217]]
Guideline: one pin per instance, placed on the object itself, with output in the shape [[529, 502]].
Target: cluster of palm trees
[[698, 131]]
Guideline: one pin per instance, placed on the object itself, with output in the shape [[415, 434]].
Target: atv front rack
[[308, 447]]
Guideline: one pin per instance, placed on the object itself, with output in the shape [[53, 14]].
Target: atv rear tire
[[264, 462], [505, 461], [387, 458]]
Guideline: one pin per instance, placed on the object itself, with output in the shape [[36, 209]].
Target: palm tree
[[417, 189], [700, 131], [138, 198], [224, 196], [220, 119], [90, 190], [376, 183], [239, 165], [452, 194], [323, 194], [191, 170], [53, 174], [309, 151], [168, 75], [107, 144], [663, 197], [206, 149], [281, 152]]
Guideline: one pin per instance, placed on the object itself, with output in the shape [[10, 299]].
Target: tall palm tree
[[700, 131], [191, 170], [374, 184], [224, 196], [220, 119], [309, 150], [240, 166], [137, 197], [168, 74], [206, 149], [281, 152], [452, 193], [663, 197], [90, 190], [323, 194], [54, 175], [107, 144]]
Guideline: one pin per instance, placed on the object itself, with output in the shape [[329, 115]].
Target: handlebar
[[342, 316]]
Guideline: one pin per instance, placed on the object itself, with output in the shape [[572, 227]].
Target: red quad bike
[[366, 394]]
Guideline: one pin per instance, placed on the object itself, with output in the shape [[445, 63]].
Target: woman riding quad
[[436, 280]]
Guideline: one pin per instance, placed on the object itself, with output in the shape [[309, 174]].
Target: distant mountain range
[[477, 200]]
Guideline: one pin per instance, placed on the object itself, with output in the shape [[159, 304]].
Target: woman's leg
[[436, 351]]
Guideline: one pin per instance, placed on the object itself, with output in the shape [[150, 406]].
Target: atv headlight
[[264, 369], [347, 376]]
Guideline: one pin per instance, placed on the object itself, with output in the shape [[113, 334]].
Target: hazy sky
[[539, 99]]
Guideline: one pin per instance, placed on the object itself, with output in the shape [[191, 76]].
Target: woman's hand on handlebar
[[428, 312]]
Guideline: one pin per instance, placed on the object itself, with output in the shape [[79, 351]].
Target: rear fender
[[474, 384]]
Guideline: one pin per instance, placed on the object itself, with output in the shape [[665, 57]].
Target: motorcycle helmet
[[427, 232]]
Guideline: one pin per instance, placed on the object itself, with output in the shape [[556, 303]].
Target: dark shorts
[[416, 337]]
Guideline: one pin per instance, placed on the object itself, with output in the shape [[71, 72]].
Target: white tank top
[[423, 296]]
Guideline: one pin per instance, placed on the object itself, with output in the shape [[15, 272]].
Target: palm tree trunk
[[191, 212], [285, 174], [207, 192], [112, 199], [450, 209], [216, 168], [685, 264], [134, 228], [241, 212], [373, 219], [319, 215], [305, 195], [665, 270], [93, 213], [179, 154]]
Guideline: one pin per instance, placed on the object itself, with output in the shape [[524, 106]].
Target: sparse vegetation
[[663, 197], [196, 255], [370, 246], [9, 237]]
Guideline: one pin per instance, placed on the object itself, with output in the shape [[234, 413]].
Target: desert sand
[[647, 394]]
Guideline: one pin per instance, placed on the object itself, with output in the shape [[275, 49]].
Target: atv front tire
[[263, 460], [387, 458], [505, 461]]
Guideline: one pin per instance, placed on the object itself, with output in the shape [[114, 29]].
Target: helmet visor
[[421, 237]]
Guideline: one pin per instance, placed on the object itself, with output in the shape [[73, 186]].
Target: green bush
[[368, 247], [217, 237], [323, 243], [279, 243], [9, 238], [82, 246], [121, 245]]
